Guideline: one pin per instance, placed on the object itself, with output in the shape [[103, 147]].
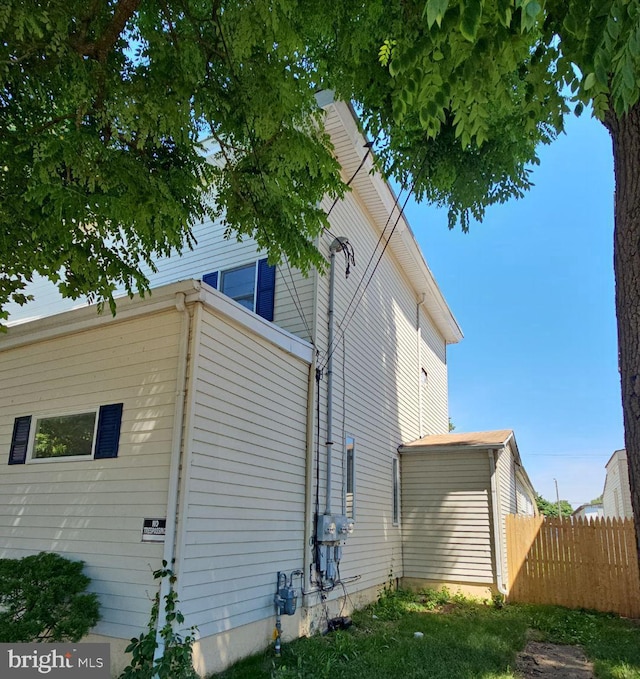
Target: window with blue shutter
[[251, 285], [67, 436], [265, 290]]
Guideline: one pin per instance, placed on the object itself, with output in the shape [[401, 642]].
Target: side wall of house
[[507, 497], [293, 308], [376, 389], [525, 500], [245, 491], [93, 510], [447, 520], [616, 498]]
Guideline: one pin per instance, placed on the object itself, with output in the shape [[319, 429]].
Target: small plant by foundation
[[176, 661]]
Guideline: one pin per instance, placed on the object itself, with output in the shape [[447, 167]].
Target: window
[[350, 486], [92, 434], [240, 284], [64, 436], [252, 285], [396, 492]]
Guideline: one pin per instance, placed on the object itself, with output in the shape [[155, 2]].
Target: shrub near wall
[[43, 598]]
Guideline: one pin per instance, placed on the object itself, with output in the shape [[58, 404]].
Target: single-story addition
[[457, 490], [185, 411]]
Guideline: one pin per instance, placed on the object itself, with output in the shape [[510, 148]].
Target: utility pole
[[557, 498]]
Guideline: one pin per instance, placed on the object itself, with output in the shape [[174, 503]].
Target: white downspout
[[308, 504], [336, 246], [419, 341], [174, 465], [497, 525]]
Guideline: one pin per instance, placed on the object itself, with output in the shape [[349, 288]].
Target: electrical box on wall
[[333, 529], [344, 526], [326, 529]]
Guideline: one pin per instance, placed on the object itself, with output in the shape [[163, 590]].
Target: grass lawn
[[461, 639]]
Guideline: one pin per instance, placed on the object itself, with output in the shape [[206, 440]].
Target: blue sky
[[532, 288]]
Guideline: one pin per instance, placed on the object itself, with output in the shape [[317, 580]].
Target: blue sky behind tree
[[533, 290]]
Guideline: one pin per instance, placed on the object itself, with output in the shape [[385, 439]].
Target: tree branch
[[100, 48]]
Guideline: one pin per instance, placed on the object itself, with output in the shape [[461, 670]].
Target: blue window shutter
[[108, 436], [20, 440], [211, 279], [266, 290]]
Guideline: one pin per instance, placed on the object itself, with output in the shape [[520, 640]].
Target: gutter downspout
[[174, 466], [497, 526], [308, 504], [419, 341], [336, 246]]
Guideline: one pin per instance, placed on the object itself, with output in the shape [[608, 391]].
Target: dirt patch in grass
[[540, 660]]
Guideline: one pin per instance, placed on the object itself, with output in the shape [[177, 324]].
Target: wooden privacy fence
[[574, 563]]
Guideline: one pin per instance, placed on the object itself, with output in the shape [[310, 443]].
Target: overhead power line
[[346, 320]]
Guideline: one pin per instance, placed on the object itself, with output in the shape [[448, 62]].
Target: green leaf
[[628, 74], [529, 14], [470, 21], [435, 9], [505, 12], [589, 81]]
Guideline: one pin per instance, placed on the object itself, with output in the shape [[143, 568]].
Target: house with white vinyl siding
[[262, 446]]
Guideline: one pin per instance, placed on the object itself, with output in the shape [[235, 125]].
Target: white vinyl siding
[[376, 371], [525, 500], [446, 517], [294, 301], [616, 498], [94, 509], [507, 503], [246, 477], [433, 357]]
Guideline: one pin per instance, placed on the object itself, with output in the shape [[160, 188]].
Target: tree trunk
[[625, 133]]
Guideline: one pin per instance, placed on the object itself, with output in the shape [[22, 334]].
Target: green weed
[[459, 639]]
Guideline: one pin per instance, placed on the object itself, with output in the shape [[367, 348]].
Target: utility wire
[[296, 298], [346, 321], [369, 146], [364, 274]]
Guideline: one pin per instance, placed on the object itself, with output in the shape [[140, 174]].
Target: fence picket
[[574, 563]]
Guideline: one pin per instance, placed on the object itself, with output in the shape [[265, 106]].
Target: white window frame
[[221, 275], [350, 440], [61, 458], [395, 492]]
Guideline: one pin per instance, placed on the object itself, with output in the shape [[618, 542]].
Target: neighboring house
[[616, 497], [457, 490], [205, 408], [589, 511]]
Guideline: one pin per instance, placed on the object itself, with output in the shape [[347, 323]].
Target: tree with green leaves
[[548, 508], [104, 104], [103, 108], [498, 77]]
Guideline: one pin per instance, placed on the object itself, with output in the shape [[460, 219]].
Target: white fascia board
[[473, 447]]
